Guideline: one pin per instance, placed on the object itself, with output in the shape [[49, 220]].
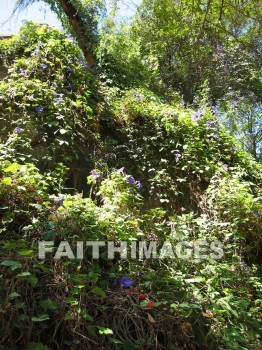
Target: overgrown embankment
[[157, 172]]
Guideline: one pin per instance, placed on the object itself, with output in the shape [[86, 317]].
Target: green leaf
[[99, 291], [26, 252], [48, 305], [103, 330], [40, 318], [13, 264], [115, 341], [24, 274], [32, 280], [7, 181], [12, 168], [13, 295]]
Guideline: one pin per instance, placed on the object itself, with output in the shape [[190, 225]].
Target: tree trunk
[[78, 26]]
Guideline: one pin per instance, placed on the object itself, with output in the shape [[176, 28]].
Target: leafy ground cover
[[155, 171]]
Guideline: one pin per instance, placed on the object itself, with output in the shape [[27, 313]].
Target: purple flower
[[138, 96], [70, 85], [198, 114], [69, 69], [131, 180], [60, 202], [69, 61], [178, 155], [30, 97], [138, 183], [234, 149], [234, 103], [126, 282], [256, 214], [59, 98], [214, 109], [18, 130], [95, 174], [209, 123], [84, 66], [43, 65], [39, 109], [220, 47], [216, 136], [121, 170]]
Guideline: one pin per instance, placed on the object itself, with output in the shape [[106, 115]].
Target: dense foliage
[[154, 170]]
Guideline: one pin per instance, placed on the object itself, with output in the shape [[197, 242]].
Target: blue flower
[[138, 96], [84, 66], [214, 109], [31, 97], [234, 103], [60, 202], [209, 123], [39, 109], [138, 183], [121, 170], [220, 47], [178, 155], [198, 114], [18, 130], [256, 214], [131, 180], [95, 174], [234, 149], [43, 65], [126, 282], [69, 69], [216, 136], [59, 98]]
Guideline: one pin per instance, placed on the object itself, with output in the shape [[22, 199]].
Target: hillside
[[84, 160]]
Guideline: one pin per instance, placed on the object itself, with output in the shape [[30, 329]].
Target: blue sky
[[39, 12]]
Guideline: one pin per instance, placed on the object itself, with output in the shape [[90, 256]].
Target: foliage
[[157, 172], [52, 92], [242, 115], [80, 17], [196, 41]]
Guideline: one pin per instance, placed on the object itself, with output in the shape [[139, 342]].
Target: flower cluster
[[138, 96], [136, 182], [39, 109], [126, 282], [198, 114], [18, 130], [95, 174]]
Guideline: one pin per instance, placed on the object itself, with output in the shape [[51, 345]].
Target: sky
[[39, 12]]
